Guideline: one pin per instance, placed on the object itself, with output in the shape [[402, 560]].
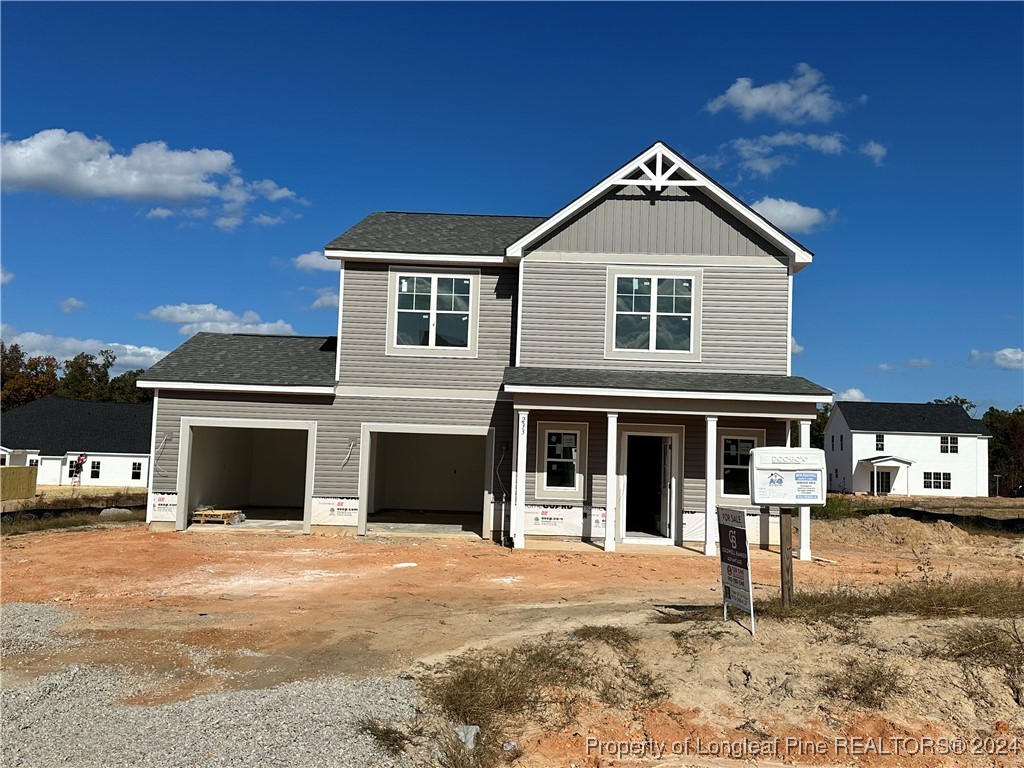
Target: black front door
[[643, 484]]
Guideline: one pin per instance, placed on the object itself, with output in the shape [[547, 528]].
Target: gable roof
[[56, 425], [910, 417], [657, 167], [249, 359], [575, 379], [434, 233]]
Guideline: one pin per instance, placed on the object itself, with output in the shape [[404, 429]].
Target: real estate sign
[[787, 477], [737, 589]]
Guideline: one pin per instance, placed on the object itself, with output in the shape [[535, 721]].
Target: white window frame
[[879, 442], [136, 471], [696, 278], [541, 490], [33, 462], [392, 348], [937, 481], [949, 444], [726, 433], [94, 470]]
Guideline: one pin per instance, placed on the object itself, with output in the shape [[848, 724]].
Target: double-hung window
[[653, 315], [94, 471], [561, 460], [136, 470], [736, 465], [432, 313], [879, 442], [949, 444], [938, 480]]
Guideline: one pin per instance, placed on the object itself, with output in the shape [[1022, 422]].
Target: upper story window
[[432, 313], [33, 462], [840, 442], [653, 315], [949, 444], [879, 442], [833, 442]]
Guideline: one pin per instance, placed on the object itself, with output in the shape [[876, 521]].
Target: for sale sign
[[737, 589]]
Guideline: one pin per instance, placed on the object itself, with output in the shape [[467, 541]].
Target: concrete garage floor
[[257, 520], [405, 522]]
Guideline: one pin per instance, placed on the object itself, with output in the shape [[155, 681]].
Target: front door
[[649, 481]]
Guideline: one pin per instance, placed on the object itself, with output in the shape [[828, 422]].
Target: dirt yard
[[196, 613]]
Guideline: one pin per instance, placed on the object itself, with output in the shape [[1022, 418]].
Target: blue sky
[[165, 166]]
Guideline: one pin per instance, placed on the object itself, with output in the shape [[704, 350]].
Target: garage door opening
[[262, 472], [427, 484]]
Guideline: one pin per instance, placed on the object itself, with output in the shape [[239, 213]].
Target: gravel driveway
[[73, 717]]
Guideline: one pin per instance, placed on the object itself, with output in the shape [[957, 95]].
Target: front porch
[[646, 469]]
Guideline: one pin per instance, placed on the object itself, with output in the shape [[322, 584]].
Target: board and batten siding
[[678, 220], [364, 308], [744, 321], [338, 429]]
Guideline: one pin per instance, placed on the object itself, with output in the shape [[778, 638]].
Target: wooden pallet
[[224, 516]]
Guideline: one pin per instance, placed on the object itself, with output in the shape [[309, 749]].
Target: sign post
[[737, 589], [787, 478]]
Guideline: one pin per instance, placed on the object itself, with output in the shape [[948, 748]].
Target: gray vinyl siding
[[695, 437], [364, 334], [338, 429], [681, 221], [744, 320]]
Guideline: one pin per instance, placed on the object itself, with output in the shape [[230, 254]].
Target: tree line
[[83, 377], [1005, 450]]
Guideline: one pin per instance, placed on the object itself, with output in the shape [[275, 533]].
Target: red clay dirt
[[194, 613]]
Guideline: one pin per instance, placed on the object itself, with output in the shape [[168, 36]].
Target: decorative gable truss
[[654, 170]]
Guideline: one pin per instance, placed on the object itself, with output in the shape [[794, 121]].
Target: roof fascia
[[664, 394], [260, 388], [799, 256], [395, 256]]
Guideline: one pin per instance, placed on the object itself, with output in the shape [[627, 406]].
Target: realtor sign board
[[787, 477], [737, 589]]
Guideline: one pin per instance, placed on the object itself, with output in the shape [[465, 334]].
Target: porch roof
[[658, 383], [885, 460]]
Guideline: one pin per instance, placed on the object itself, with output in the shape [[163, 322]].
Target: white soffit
[[658, 168]]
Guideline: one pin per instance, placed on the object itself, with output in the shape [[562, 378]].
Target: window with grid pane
[[736, 465], [562, 453], [136, 470], [879, 442], [433, 311], [653, 313], [949, 444]]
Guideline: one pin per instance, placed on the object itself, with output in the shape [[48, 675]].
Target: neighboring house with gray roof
[[906, 449], [601, 373], [53, 432]]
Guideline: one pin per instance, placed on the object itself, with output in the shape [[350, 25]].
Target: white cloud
[[758, 154], [919, 362], [804, 97], [71, 164], [194, 318], [795, 346], [129, 356], [791, 216], [5, 276], [874, 150], [884, 367], [315, 260], [853, 394], [266, 220], [327, 298], [71, 304], [1008, 358]]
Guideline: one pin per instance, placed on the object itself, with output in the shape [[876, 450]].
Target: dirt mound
[[887, 529]]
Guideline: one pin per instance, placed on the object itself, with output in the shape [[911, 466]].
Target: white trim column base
[[518, 521]]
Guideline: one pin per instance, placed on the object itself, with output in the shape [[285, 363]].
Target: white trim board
[[197, 387], [664, 394]]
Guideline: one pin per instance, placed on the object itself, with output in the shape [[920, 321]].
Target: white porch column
[[611, 474], [518, 521], [711, 486], [804, 550]]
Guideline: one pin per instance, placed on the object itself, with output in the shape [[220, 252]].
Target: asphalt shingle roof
[[910, 417], [744, 383], [240, 358], [55, 425], [435, 233]]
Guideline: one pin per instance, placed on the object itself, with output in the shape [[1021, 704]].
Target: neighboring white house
[[52, 432], [906, 449]]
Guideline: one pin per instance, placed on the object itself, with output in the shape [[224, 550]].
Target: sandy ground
[[193, 613]]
